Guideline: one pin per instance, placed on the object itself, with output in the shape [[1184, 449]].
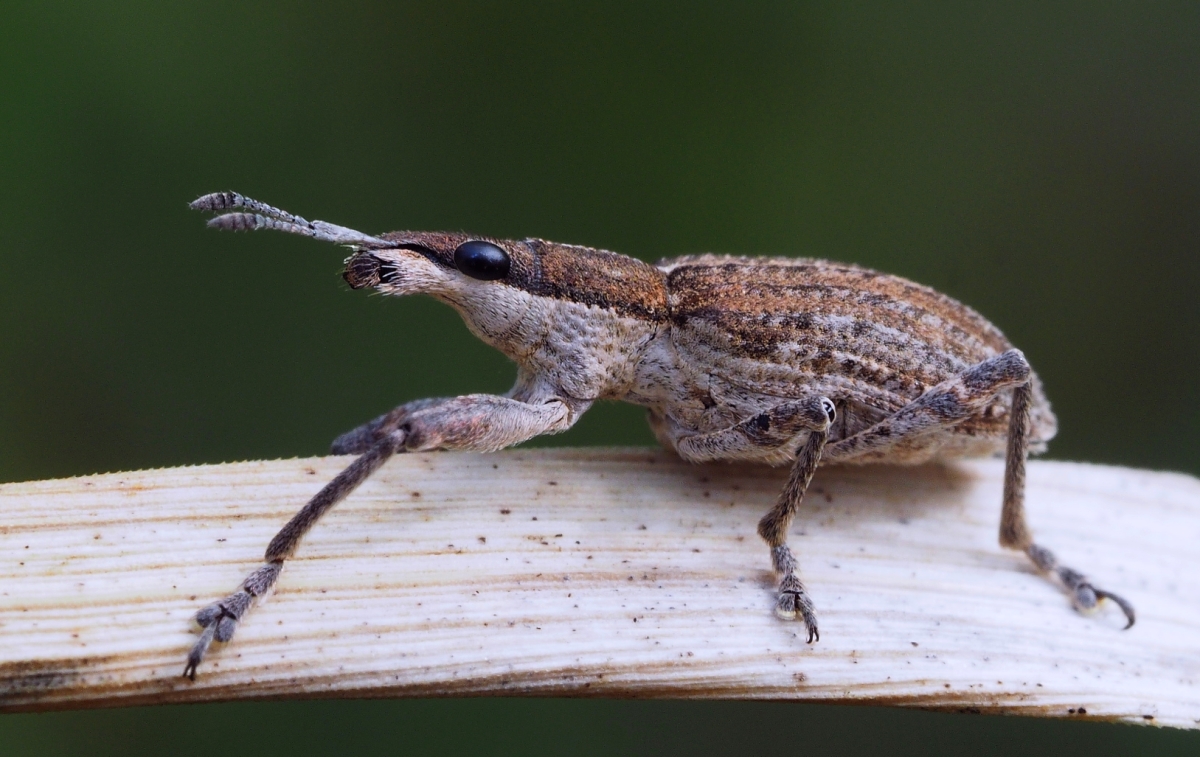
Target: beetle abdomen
[[789, 327]]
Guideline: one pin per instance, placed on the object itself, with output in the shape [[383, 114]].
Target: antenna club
[[218, 201]]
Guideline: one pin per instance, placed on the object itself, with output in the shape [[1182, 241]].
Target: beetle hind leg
[[954, 401], [1084, 595], [1014, 531]]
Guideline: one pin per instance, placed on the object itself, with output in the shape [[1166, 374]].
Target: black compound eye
[[482, 260]]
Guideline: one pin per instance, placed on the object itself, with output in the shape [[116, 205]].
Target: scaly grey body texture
[[777, 360]]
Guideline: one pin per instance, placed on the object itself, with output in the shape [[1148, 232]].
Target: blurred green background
[[1038, 161]]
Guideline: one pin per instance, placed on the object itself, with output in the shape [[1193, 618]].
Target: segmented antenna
[[264, 216]]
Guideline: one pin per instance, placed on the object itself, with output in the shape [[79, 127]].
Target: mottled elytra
[[482, 260], [786, 361]]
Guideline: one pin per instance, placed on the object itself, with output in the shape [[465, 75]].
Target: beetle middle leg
[[793, 602], [778, 427]]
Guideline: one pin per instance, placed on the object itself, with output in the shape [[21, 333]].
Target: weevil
[[785, 361]]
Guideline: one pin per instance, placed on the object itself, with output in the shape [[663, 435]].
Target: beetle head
[[510, 293]]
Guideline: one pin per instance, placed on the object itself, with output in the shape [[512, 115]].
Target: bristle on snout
[[362, 270]]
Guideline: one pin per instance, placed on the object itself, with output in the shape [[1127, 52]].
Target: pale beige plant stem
[[603, 573]]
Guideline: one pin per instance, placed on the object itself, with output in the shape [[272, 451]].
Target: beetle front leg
[[475, 422]]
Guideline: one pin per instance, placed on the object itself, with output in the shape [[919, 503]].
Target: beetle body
[[775, 360], [707, 341]]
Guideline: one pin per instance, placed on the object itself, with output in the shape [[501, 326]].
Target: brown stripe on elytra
[[907, 370], [593, 277], [860, 324], [762, 334], [825, 289], [773, 287], [745, 281]]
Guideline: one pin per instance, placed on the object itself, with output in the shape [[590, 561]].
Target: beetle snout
[[396, 271]]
